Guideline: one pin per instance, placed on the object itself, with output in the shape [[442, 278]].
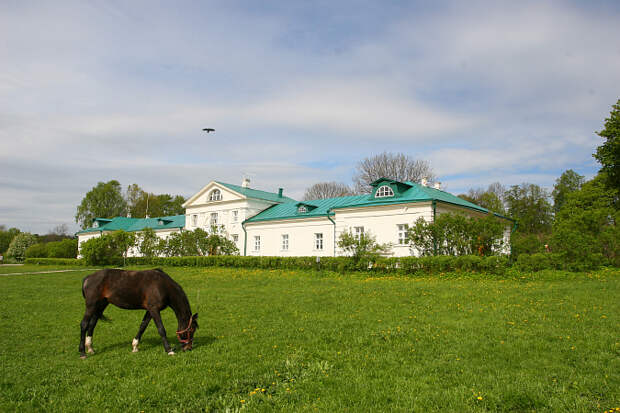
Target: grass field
[[291, 341]]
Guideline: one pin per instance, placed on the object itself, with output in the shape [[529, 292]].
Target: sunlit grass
[[292, 341]]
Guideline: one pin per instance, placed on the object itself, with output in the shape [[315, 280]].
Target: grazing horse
[[151, 290]]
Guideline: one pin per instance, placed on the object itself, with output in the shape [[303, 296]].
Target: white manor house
[[264, 223]]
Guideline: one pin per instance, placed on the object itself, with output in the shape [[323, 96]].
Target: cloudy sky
[[298, 92]]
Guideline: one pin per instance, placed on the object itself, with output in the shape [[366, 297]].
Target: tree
[[6, 236], [608, 154], [529, 205], [19, 245], [148, 243], [399, 167], [141, 203], [362, 247], [457, 234], [103, 201], [123, 241], [568, 182], [324, 190], [491, 199], [587, 224]]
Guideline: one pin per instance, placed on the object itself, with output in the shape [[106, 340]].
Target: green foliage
[[100, 251], [66, 248], [568, 182], [19, 245], [529, 205], [608, 154], [362, 248], [55, 261], [491, 198], [148, 243], [158, 205], [38, 250], [103, 201], [523, 243], [456, 234], [587, 224], [6, 236]]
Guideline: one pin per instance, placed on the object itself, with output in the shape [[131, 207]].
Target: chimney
[[280, 190], [424, 181], [245, 183], [437, 185]]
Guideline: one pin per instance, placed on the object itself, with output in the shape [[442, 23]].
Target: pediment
[[202, 197]]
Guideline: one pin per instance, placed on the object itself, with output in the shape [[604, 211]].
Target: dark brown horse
[[150, 290]]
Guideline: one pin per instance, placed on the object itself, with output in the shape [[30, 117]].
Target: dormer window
[[384, 192], [215, 195], [96, 224], [302, 209]]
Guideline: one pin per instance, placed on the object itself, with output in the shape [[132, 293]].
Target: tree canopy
[[103, 201], [568, 182], [608, 154], [141, 203], [529, 205]]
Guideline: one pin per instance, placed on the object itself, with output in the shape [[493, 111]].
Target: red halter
[[189, 339]]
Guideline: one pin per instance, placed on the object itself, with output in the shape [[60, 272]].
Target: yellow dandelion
[[479, 397]]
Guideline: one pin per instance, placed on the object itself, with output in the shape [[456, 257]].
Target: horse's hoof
[[135, 350], [90, 351], [83, 357], [171, 353]]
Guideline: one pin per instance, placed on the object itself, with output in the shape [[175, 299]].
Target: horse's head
[[186, 336]]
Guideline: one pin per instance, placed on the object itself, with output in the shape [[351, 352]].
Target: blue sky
[[298, 93]]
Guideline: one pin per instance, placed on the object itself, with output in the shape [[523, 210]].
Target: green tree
[[608, 154], [529, 205], [457, 234], [587, 224], [6, 236], [19, 245], [148, 243], [568, 182], [103, 201], [491, 198], [140, 203], [363, 247]]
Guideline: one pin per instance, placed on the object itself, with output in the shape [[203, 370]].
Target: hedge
[[396, 265]]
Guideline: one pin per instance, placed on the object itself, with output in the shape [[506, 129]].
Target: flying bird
[[208, 130]]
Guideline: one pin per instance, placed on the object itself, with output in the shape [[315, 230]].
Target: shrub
[[37, 251], [66, 248], [101, 251], [19, 245]]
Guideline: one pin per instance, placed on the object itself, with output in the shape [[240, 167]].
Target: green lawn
[[291, 341]]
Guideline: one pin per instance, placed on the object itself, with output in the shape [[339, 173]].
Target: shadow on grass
[[149, 343]]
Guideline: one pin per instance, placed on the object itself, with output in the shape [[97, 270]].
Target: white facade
[[226, 208]]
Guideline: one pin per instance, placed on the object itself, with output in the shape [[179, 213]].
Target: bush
[[66, 248], [37, 251], [55, 261], [19, 245], [101, 251]]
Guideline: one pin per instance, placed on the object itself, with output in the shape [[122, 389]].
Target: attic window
[[384, 191], [160, 222], [96, 224], [215, 195], [302, 209]]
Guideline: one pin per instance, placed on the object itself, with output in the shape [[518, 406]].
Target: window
[[384, 191], [403, 234], [318, 241], [235, 216], [302, 209], [213, 221], [215, 195], [235, 238], [194, 220], [256, 242], [284, 242], [358, 232]]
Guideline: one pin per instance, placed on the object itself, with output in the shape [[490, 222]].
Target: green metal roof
[[404, 192], [136, 224], [255, 193]]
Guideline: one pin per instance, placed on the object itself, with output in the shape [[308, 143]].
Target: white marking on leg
[[171, 353], [89, 345], [134, 345]]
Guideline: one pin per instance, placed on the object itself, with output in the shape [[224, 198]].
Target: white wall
[[382, 222], [301, 237]]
